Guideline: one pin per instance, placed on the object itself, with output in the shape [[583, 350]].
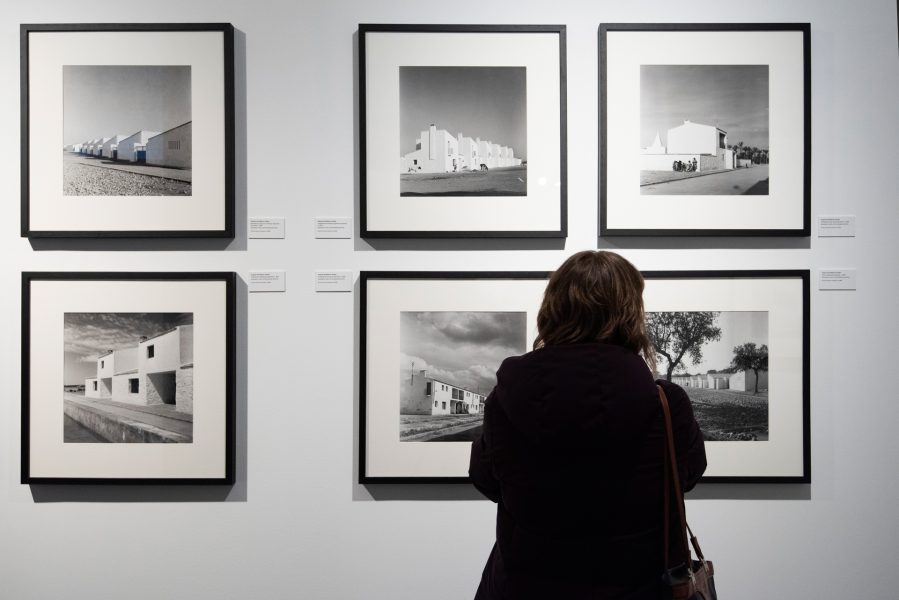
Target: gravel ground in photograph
[[87, 180]]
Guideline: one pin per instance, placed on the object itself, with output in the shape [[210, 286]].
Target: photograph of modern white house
[[448, 363], [463, 131], [128, 377], [721, 360], [127, 130], [704, 129]]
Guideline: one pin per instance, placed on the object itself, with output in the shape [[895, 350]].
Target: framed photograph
[[737, 342], [108, 117], [705, 129], [128, 378], [430, 344], [462, 131]]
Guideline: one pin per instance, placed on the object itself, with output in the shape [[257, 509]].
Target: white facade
[[110, 145], [706, 144], [171, 148], [158, 371], [696, 138], [436, 151], [741, 381], [98, 147], [128, 146], [423, 395], [745, 381]]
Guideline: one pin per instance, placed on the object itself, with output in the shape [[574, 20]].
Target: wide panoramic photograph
[[448, 363]]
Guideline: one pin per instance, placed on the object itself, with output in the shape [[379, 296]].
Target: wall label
[[333, 281], [270, 228], [267, 281], [333, 227], [836, 279], [836, 225]]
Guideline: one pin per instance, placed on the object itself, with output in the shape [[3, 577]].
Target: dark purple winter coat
[[572, 453]]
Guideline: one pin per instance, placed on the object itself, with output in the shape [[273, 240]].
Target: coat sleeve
[[480, 467], [689, 443]]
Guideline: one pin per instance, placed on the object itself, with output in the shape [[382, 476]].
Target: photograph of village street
[[721, 360], [127, 130], [448, 363], [463, 131], [128, 377], [704, 130]]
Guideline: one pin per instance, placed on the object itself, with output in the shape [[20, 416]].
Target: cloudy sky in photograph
[[731, 97], [109, 100], [461, 348], [737, 327], [87, 335], [480, 102]]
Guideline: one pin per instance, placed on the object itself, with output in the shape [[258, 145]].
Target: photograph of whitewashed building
[[110, 146], [134, 147], [139, 387], [704, 145], [428, 396], [704, 129], [448, 363], [171, 148], [437, 151], [463, 131], [143, 115], [721, 360]]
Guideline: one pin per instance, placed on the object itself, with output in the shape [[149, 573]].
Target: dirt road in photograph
[[444, 428], [752, 182], [499, 181]]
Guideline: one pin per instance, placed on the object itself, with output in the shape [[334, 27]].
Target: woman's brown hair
[[595, 296]]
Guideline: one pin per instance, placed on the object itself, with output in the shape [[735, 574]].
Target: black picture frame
[[228, 130], [229, 376], [556, 229], [364, 278], [803, 476], [799, 227], [802, 409]]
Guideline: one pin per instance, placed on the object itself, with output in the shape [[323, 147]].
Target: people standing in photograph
[[572, 446]]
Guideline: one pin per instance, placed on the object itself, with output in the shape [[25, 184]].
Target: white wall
[[296, 525]]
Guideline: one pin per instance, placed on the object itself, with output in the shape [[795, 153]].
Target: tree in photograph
[[749, 357], [675, 335]]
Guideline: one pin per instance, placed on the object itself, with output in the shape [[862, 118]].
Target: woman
[[572, 446]]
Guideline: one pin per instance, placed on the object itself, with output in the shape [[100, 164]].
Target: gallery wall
[[297, 525]]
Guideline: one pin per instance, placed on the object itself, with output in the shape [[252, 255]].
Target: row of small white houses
[[424, 395], [159, 370], [437, 151], [171, 148], [743, 381]]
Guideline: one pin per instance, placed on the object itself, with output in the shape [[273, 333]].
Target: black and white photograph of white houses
[[448, 363], [721, 360], [463, 131], [704, 129], [128, 377], [127, 130]]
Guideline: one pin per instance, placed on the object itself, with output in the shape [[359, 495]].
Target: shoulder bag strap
[[671, 467]]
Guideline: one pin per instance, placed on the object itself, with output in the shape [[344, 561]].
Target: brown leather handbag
[[693, 579]]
